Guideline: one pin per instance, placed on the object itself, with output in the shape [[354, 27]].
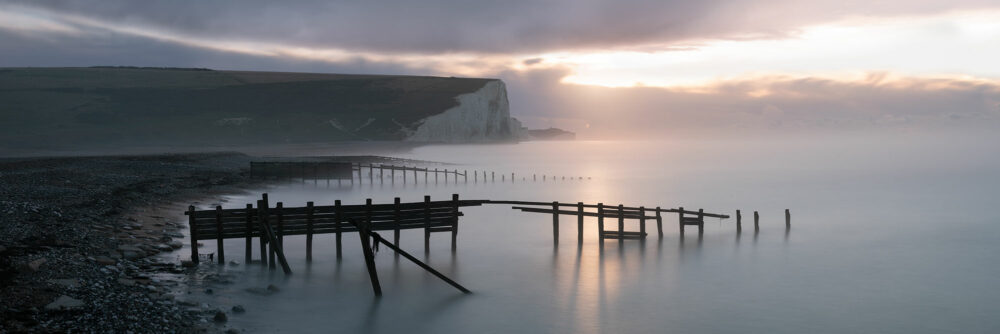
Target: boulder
[[64, 303]]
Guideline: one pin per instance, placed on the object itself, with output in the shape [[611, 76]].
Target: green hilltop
[[109, 106]]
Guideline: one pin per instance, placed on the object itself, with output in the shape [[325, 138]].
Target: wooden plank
[[422, 265], [427, 232], [395, 234], [366, 248]]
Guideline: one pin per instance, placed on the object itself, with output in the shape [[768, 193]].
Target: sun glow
[[939, 46]]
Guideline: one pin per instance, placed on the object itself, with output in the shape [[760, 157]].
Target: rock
[[187, 263], [239, 309], [220, 316], [175, 244], [209, 291], [133, 255], [107, 261], [33, 266], [234, 263], [64, 303], [272, 288], [66, 282], [164, 247], [126, 282]]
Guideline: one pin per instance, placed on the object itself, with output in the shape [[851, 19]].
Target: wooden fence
[[263, 221]]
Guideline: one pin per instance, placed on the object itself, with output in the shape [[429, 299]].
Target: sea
[[889, 233]]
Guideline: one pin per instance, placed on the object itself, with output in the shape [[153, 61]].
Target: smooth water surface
[[889, 235]]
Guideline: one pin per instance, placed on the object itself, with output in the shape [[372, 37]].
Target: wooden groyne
[[386, 173], [271, 224]]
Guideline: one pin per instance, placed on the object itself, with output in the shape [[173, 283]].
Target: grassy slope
[[81, 107]]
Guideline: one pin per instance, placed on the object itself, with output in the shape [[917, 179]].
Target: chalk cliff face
[[480, 116]]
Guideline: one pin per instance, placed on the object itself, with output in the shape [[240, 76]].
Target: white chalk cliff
[[480, 116]]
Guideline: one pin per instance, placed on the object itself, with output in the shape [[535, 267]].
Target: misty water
[[891, 234]]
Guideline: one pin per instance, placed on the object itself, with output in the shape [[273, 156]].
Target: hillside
[[83, 107]]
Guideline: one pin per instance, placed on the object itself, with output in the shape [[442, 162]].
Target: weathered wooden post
[[404, 175], [249, 236], [543, 177], [621, 223], [600, 220], [534, 177], [392, 174], [425, 175], [363, 229], [503, 178], [310, 209], [263, 237], [194, 234], [756, 222], [701, 221], [371, 174], [465, 176], [414, 175], [395, 214], [493, 176], [279, 207], [511, 177], [435, 175], [454, 222], [475, 176], [555, 223], [218, 235], [739, 222], [659, 222], [642, 222], [579, 222], [680, 219], [338, 217], [788, 220], [427, 223]]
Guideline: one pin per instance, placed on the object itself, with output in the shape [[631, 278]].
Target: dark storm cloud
[[437, 26]]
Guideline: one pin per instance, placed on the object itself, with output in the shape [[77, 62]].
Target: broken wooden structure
[[617, 213], [271, 225]]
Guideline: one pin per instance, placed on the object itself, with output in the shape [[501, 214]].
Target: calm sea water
[[895, 234]]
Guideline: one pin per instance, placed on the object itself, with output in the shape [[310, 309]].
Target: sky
[[600, 68]]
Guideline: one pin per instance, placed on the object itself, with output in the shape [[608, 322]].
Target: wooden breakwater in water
[[386, 173]]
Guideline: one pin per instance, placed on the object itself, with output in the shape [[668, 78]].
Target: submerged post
[[642, 222], [395, 214], [579, 222], [194, 235], [600, 220], [659, 222], [427, 223], [680, 219], [621, 223], [338, 217], [739, 222], [756, 222], [249, 235], [218, 235], [454, 222], [701, 221], [309, 230], [788, 219], [555, 223]]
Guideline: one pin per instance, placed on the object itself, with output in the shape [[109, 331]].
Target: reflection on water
[[897, 245]]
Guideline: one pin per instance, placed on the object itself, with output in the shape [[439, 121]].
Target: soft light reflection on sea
[[889, 235]]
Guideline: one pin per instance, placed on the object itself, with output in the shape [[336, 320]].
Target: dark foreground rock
[[76, 236]]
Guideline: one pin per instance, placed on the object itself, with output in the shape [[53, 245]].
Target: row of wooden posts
[[345, 171]]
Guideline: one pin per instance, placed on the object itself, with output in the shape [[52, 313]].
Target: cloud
[[498, 27]]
